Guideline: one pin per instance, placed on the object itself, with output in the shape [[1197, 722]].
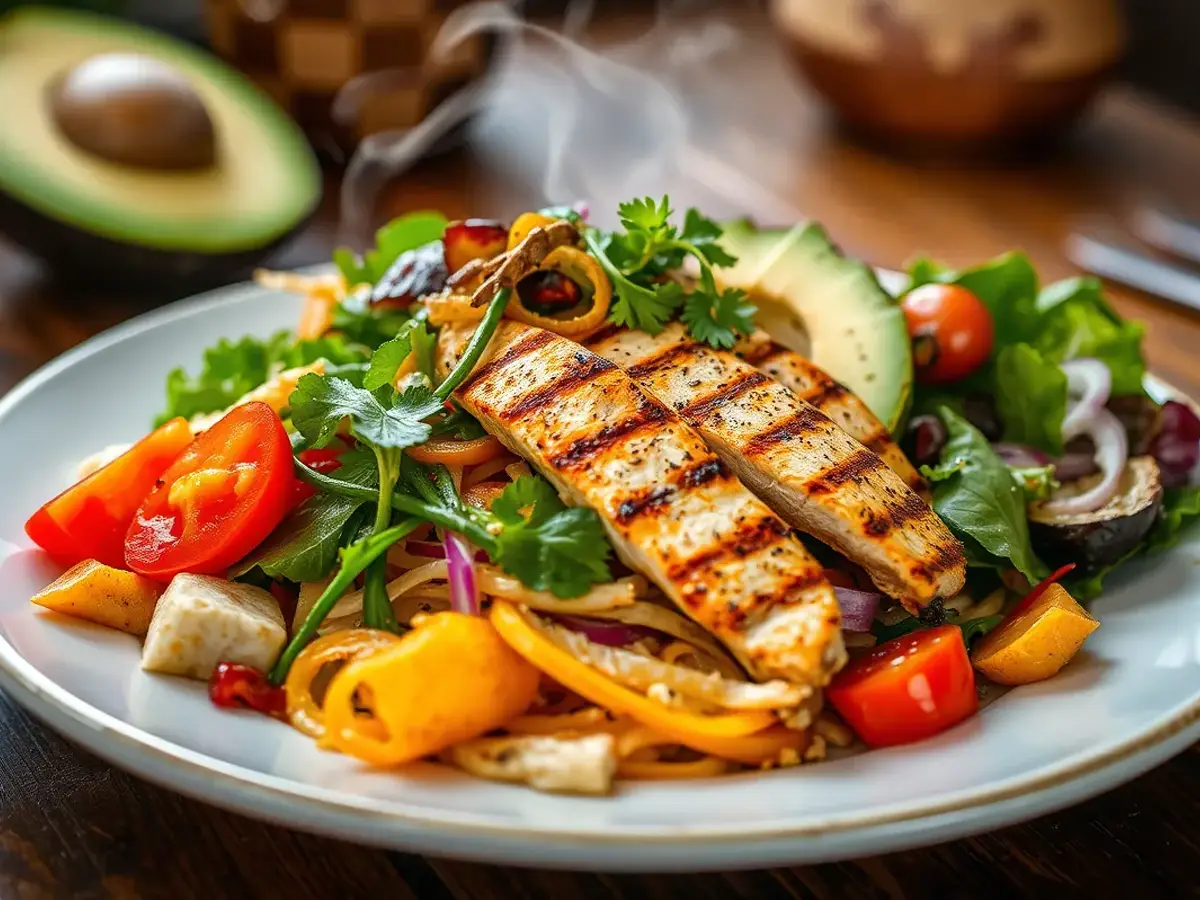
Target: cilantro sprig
[[640, 261]]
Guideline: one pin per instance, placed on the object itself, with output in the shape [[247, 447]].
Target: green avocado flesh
[[263, 183], [829, 308]]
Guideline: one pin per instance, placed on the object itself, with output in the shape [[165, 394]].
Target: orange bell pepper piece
[[451, 679]]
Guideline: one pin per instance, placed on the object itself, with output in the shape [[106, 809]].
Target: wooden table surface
[[71, 826]]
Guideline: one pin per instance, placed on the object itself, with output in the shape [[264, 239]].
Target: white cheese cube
[[200, 621]]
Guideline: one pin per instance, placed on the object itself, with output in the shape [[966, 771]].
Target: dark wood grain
[[71, 826]]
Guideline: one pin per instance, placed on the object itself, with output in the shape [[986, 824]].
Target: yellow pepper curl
[[451, 679]]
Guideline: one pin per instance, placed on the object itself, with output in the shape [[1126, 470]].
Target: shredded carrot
[[317, 316], [482, 495]]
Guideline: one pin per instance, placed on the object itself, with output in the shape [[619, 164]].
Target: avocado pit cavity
[[133, 110]]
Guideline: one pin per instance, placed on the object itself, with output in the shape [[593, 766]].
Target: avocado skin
[[73, 255]]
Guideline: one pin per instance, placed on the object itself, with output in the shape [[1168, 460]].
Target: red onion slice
[[460, 567], [1074, 466], [858, 608], [1020, 456], [1089, 383], [609, 634], [1112, 452]]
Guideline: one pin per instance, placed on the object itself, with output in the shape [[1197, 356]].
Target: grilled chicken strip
[[673, 510], [817, 477], [813, 385]]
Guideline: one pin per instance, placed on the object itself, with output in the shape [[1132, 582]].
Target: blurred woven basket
[[303, 52]]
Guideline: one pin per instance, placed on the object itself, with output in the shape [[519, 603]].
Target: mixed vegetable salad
[[320, 527]]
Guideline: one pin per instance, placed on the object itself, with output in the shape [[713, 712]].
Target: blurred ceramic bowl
[[951, 75]]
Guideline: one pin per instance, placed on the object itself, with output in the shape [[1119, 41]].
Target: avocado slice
[[94, 216], [816, 301]]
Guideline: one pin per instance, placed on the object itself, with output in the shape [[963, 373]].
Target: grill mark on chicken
[[806, 420], [669, 356], [584, 449], [704, 472], [945, 557], [525, 345], [750, 537], [910, 508], [878, 443], [644, 503], [686, 477], [589, 367], [794, 588], [855, 466], [703, 407]]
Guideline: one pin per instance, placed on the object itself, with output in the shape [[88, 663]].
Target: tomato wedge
[[223, 495], [89, 519], [908, 689]]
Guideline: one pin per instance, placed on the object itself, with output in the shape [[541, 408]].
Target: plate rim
[[1071, 780]]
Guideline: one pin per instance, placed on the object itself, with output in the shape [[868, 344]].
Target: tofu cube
[[200, 621]]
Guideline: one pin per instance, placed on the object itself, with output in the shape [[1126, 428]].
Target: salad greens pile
[[1036, 328]]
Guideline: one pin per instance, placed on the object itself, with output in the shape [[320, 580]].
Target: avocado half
[[832, 309], [90, 217]]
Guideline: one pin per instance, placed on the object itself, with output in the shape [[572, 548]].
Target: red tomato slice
[[218, 501], [89, 519], [908, 689], [323, 460]]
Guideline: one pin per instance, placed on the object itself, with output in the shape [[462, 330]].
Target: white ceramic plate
[[1129, 703]]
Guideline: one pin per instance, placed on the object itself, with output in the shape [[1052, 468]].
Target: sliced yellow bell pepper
[[690, 729], [338, 646], [524, 224], [1037, 641], [450, 679]]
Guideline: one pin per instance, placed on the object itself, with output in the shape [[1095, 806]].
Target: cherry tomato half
[[223, 495], [908, 689], [89, 519], [951, 331]]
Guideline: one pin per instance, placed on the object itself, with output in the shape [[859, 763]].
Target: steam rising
[[648, 116]]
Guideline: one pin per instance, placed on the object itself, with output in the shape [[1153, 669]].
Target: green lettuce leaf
[[398, 236], [232, 369], [1031, 398], [1074, 320], [305, 545], [975, 494]]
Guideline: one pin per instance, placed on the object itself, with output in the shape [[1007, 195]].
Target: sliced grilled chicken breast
[[787, 451], [674, 511], [813, 385]]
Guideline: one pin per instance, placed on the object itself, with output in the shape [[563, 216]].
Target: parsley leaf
[[640, 263], [548, 546], [718, 319], [702, 233], [381, 418]]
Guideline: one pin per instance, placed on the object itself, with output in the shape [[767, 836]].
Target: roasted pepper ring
[[580, 268], [341, 646]]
